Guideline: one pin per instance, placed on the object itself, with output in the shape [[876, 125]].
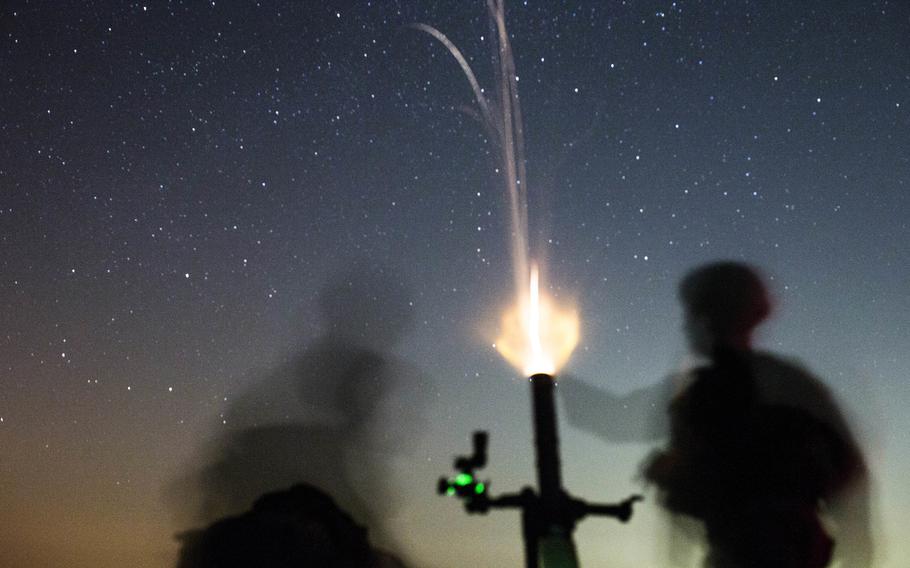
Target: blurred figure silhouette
[[334, 417], [296, 528], [758, 450]]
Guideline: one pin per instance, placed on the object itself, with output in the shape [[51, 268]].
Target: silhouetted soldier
[[334, 416], [757, 445]]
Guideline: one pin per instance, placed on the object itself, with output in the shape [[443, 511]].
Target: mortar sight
[[465, 483]]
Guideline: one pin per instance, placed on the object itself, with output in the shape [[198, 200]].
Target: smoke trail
[[506, 128], [536, 335]]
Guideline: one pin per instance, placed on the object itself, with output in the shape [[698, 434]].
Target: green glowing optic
[[479, 488], [450, 491], [463, 479]]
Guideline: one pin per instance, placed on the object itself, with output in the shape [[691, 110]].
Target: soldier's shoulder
[[781, 365], [788, 377]]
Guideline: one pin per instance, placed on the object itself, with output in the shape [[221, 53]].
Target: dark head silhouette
[[723, 303], [299, 527]]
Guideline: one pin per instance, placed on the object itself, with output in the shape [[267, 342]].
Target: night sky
[[183, 183]]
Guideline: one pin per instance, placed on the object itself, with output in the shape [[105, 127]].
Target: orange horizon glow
[[537, 335]]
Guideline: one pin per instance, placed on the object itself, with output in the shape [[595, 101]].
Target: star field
[[179, 181]]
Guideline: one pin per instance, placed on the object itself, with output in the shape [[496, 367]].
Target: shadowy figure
[[334, 417], [758, 450], [298, 527]]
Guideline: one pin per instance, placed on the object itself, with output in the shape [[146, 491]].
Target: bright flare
[[537, 336]]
